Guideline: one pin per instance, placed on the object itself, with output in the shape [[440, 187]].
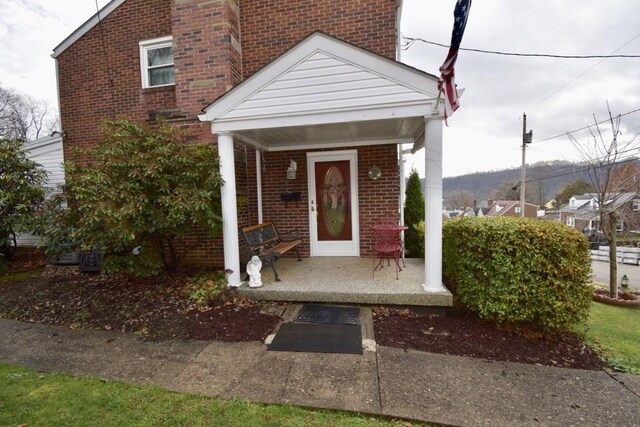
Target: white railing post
[[433, 205], [229, 209]]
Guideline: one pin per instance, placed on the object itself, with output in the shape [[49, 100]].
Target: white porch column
[[259, 183], [229, 209], [433, 205]]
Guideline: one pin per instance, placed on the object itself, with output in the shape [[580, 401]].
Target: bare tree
[[459, 199], [24, 118], [508, 190], [613, 184]]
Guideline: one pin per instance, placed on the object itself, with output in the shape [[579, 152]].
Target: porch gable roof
[[323, 80]]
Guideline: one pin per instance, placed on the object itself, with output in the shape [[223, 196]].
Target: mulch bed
[[153, 308], [159, 308], [465, 335], [627, 299]]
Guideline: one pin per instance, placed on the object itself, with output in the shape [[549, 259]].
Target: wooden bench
[[264, 241]]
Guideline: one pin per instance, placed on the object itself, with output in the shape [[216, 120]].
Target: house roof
[[318, 90], [84, 28], [499, 207]]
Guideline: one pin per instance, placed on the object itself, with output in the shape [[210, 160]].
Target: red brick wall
[[207, 62], [377, 199], [271, 27], [97, 84]]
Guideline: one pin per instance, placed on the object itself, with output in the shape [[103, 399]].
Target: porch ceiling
[[393, 131]]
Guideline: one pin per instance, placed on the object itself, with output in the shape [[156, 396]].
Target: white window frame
[[620, 226], [570, 221], [147, 45], [635, 205]]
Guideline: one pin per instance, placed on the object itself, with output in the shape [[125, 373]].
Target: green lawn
[[32, 398], [615, 333]]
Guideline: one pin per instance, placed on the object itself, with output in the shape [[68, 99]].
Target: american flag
[[447, 82]]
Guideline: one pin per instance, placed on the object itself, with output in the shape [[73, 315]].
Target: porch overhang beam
[[352, 114], [340, 144]]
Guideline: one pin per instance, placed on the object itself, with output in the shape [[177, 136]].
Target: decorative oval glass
[[334, 201]]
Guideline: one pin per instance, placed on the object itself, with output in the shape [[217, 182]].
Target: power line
[[412, 40], [584, 169], [583, 128], [569, 83]]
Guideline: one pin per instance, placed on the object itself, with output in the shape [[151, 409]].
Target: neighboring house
[[269, 82], [582, 214], [511, 208], [481, 211], [47, 152]]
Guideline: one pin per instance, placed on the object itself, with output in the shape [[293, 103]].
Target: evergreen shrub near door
[[518, 270]]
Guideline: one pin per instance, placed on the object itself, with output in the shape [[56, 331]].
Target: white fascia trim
[[84, 28], [323, 117], [414, 79], [342, 144]]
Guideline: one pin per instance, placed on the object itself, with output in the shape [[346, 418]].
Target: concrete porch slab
[[346, 280]]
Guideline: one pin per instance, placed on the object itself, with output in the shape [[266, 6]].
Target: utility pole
[[526, 139]]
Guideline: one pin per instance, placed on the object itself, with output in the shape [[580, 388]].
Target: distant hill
[[547, 179]]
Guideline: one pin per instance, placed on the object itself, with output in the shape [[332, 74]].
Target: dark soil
[[465, 335], [159, 308], [154, 308]]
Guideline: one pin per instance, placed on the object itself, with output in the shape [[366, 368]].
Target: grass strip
[[29, 397], [614, 332]]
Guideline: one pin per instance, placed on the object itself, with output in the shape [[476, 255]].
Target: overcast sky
[[485, 133]]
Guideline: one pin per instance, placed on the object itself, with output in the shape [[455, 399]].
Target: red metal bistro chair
[[387, 244]]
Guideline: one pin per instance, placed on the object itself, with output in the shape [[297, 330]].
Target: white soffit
[[84, 28], [325, 78]]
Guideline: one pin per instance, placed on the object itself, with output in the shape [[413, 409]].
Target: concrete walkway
[[424, 386]]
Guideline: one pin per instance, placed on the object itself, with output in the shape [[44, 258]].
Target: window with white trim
[[156, 62], [570, 221], [636, 206], [620, 225]]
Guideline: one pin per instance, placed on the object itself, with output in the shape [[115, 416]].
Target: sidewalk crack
[[379, 382], [622, 383], [286, 381]]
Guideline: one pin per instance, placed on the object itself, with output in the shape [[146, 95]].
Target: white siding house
[[47, 152]]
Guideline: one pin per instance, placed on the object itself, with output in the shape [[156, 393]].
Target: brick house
[[511, 208], [582, 214], [269, 82]]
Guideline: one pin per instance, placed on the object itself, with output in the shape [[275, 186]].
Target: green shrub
[[420, 231], [206, 288], [413, 214], [518, 270]]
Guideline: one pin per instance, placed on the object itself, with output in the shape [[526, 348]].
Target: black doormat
[[326, 314], [318, 338]]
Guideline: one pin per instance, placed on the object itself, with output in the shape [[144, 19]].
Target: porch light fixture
[[375, 173], [291, 172]]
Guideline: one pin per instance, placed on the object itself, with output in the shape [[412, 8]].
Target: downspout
[[259, 183]]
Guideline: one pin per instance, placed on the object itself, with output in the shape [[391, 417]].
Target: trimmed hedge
[[518, 270]]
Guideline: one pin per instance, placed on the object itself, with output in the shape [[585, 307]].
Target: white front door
[[333, 203]]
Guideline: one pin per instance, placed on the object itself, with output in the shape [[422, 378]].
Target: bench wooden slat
[[264, 241]]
